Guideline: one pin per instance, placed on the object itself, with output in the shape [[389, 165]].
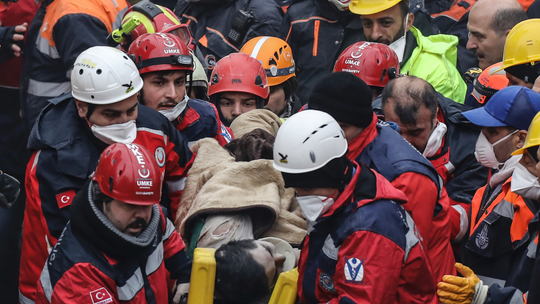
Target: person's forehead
[[119, 106], [238, 95], [480, 20]]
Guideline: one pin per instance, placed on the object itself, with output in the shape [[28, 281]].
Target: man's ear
[[82, 108], [410, 22], [522, 134]]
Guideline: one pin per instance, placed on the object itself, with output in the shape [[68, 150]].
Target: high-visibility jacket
[[66, 154], [499, 220], [365, 249]]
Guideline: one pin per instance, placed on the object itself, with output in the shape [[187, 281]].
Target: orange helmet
[[275, 56], [489, 82]]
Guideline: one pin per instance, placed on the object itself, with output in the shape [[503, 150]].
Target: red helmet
[[129, 173], [160, 52], [371, 62], [239, 72], [489, 82], [154, 18]]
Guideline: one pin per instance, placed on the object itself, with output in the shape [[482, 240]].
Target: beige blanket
[[216, 184]]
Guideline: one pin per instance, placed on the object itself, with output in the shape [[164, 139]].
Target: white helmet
[[342, 5], [104, 75], [307, 141]]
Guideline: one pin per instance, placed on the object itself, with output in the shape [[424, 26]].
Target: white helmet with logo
[[307, 141], [104, 75]]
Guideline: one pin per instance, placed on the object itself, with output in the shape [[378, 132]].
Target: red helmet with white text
[[129, 173], [160, 52], [371, 62]]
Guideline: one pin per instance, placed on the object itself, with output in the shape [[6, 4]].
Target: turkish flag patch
[[64, 199]]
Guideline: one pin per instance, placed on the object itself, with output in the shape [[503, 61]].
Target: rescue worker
[[53, 42], [374, 63], [431, 58], [278, 62], [154, 19], [166, 65], [68, 138], [489, 24], [469, 287], [318, 31], [221, 27], [119, 244], [521, 54], [348, 100], [435, 126], [499, 214], [355, 250], [489, 82], [238, 84]]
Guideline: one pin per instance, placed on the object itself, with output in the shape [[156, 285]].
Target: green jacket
[[434, 59]]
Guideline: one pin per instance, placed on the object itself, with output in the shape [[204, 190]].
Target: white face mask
[[173, 113], [313, 206], [525, 183], [435, 140], [117, 133], [484, 151], [399, 45]]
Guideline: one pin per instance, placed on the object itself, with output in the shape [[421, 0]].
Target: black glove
[[8, 41], [9, 190]]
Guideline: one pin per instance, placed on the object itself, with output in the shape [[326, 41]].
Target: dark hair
[[99, 196], [404, 8], [506, 19], [409, 97], [239, 278]]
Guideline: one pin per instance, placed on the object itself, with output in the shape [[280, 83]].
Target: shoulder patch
[[225, 133], [101, 296], [64, 199], [160, 156], [354, 270]]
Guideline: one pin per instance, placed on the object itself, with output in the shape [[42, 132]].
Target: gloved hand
[[12, 41], [9, 190], [462, 290]]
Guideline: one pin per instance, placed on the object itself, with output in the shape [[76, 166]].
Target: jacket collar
[[357, 145], [410, 45]]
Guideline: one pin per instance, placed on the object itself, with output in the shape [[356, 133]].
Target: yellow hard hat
[[522, 44], [533, 135], [275, 56], [368, 7]]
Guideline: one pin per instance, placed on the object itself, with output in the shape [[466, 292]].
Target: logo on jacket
[[354, 270], [225, 134], [101, 296], [283, 158], [327, 282], [482, 240], [160, 156], [64, 199]]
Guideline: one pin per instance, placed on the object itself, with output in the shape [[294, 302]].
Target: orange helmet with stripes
[[275, 56], [489, 82]]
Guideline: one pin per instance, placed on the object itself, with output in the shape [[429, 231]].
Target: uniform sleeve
[[422, 194], [368, 269], [224, 134], [176, 260], [178, 161], [268, 17], [504, 295], [81, 284], [50, 193], [74, 33]]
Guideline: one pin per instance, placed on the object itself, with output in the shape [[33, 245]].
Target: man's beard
[[399, 34]]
